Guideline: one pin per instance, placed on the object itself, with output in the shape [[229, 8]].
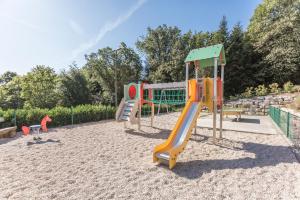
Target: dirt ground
[[105, 161]]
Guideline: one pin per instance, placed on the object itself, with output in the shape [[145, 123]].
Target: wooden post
[[222, 101], [215, 99], [152, 114], [186, 82], [140, 115]]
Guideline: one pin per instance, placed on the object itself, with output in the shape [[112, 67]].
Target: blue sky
[[58, 32]]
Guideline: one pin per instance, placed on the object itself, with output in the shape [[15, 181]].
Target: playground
[[103, 160], [203, 151]]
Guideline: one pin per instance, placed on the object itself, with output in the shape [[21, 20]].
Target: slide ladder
[[127, 111], [168, 151]]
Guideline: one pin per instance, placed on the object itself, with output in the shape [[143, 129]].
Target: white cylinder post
[[215, 99], [196, 74], [186, 82], [139, 115], [222, 101]]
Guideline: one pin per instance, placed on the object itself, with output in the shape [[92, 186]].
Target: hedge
[[60, 115]]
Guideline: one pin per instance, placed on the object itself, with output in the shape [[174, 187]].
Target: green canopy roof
[[205, 56]]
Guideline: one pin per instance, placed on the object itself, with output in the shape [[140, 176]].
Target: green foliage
[[10, 94], [261, 90], [60, 115], [39, 88], [288, 86], [221, 36], [146, 109], [274, 88], [239, 69], [7, 77], [296, 88], [109, 68], [165, 50], [73, 87], [249, 92], [274, 31]]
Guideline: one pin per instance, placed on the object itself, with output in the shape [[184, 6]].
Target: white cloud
[[76, 27], [109, 26], [23, 23]]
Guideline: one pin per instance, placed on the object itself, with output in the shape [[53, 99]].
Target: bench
[[8, 132], [235, 112]]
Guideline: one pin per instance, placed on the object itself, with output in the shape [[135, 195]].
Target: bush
[[261, 90], [288, 86], [296, 88], [274, 88], [146, 109], [248, 92], [60, 115]]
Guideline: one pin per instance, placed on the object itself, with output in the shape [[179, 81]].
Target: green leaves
[[73, 87], [60, 115], [110, 67], [274, 31], [39, 87]]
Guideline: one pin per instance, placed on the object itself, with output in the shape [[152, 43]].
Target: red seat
[[25, 130]]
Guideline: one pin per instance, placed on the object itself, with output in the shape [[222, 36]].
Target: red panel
[[132, 92]]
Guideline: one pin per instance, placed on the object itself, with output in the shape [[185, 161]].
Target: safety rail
[[289, 123]]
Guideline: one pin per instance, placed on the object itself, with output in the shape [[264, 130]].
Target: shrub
[[296, 88], [146, 109], [274, 88], [248, 92], [261, 90], [288, 86], [60, 115]]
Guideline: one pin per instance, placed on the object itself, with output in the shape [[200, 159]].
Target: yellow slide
[[168, 151]]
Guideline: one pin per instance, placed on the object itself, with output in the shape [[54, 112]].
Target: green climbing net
[[165, 100], [166, 96]]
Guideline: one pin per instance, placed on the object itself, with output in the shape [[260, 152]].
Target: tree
[[39, 87], [274, 31], [7, 76], [165, 51], [240, 71], [10, 94], [112, 68], [221, 36], [73, 87]]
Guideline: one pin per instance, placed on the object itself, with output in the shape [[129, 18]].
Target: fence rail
[[288, 123]]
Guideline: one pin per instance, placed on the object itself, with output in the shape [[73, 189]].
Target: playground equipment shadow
[[43, 142], [196, 168], [163, 134], [6, 140], [247, 120]]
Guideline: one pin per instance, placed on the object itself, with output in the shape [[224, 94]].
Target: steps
[[127, 111]]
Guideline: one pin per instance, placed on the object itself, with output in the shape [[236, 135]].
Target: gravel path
[[105, 161]]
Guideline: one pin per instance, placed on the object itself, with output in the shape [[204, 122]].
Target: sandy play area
[[104, 161]]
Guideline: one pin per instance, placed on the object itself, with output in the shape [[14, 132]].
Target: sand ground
[[104, 161]]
